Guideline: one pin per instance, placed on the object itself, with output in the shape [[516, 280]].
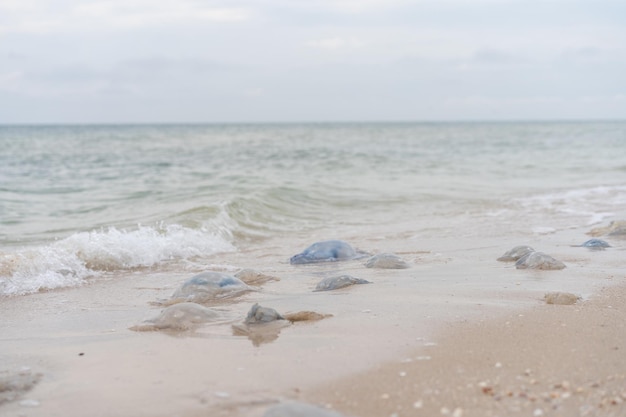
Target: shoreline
[[550, 360], [366, 360]]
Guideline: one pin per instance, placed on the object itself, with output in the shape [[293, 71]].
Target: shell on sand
[[615, 228], [386, 261], [295, 409], [538, 260], [341, 281], [561, 298], [182, 316], [209, 286], [515, 253]]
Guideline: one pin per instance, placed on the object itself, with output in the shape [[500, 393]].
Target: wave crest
[[68, 262]]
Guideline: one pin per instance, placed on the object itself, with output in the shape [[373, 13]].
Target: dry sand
[[457, 334], [554, 360]]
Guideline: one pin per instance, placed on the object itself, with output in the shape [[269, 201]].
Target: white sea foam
[[594, 204], [68, 262]]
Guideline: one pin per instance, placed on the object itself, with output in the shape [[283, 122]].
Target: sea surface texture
[[86, 203]]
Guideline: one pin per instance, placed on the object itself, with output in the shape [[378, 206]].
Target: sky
[[203, 61]]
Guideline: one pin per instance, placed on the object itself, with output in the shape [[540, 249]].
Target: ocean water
[[85, 203]]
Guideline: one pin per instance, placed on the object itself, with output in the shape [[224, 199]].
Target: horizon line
[[313, 122]]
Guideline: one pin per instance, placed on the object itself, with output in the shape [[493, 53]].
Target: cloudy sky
[[120, 61]]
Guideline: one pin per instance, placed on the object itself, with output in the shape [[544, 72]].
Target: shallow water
[[79, 203], [100, 223]]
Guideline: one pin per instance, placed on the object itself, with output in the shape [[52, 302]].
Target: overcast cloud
[[125, 61]]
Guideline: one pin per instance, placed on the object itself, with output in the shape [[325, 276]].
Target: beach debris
[[179, 317], [341, 281], [15, 383], [296, 409], [561, 298], [252, 277], [615, 228], [207, 287], [538, 260], [326, 251], [595, 244], [386, 261], [516, 253]]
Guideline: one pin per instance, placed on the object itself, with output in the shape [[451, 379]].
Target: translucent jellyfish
[[386, 261], [326, 251], [180, 317], [209, 286], [341, 281], [515, 253], [562, 298], [595, 244], [538, 260]]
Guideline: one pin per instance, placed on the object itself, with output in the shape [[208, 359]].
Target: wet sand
[[456, 334]]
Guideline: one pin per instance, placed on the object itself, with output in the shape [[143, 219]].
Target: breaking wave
[[73, 260]]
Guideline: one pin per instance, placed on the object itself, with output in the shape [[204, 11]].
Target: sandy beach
[[483, 344], [552, 360]]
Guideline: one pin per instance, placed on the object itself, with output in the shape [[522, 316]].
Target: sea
[[80, 204]]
